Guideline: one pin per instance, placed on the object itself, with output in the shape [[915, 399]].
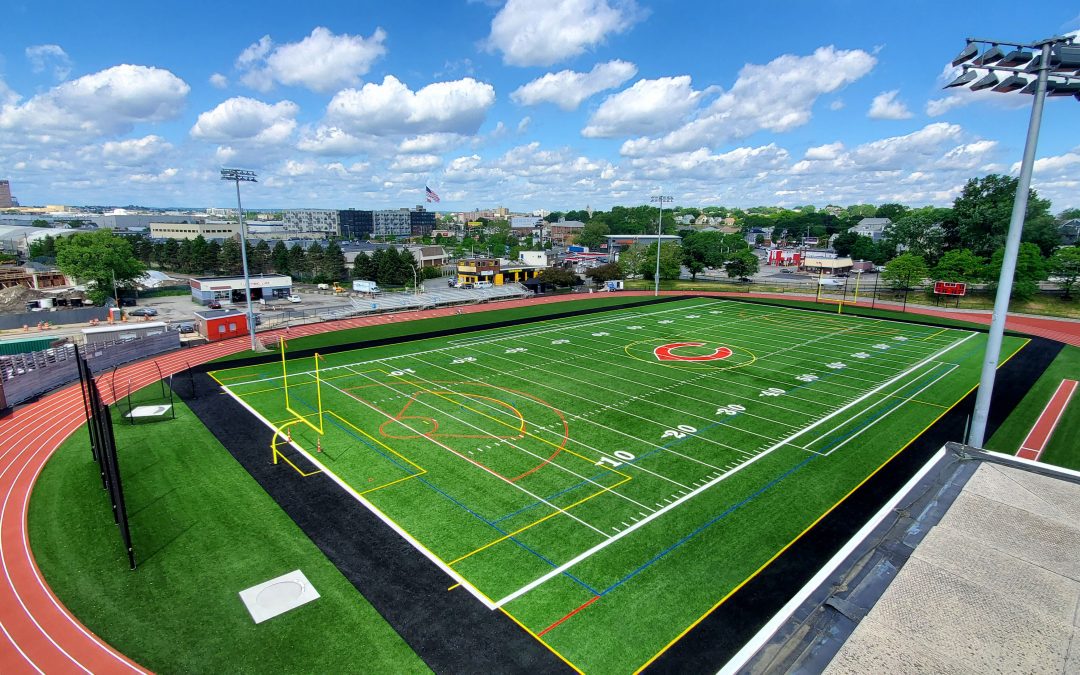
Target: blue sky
[[555, 105]]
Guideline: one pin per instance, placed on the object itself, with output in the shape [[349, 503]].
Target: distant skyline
[[557, 105]]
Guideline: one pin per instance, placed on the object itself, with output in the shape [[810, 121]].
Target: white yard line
[[604, 544], [470, 461], [371, 507]]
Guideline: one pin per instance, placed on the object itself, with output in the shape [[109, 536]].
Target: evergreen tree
[[334, 263], [363, 267], [259, 257], [211, 262], [315, 262], [229, 260], [279, 258], [298, 263]]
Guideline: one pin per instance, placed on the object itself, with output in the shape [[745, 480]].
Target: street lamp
[[659, 229], [238, 176], [1057, 55]]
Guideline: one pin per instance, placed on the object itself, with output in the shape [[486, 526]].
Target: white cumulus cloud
[[321, 61], [886, 107], [459, 106], [135, 150], [110, 101], [242, 119], [777, 96], [219, 81], [40, 56], [648, 107], [530, 33], [568, 88]]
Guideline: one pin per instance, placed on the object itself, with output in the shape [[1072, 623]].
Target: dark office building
[[422, 222], [356, 225]]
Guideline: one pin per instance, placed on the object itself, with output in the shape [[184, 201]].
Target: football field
[[607, 480]]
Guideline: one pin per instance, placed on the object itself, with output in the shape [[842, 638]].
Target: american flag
[[431, 196]]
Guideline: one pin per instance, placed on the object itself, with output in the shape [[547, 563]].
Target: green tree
[[608, 272], [298, 262], [920, 232], [670, 262], [211, 261], [742, 264], [1064, 267], [259, 257], [38, 222], [363, 268], [844, 242], [43, 248], [1063, 217], [961, 265], [315, 259], [906, 270], [981, 214], [558, 276], [891, 211], [593, 234], [864, 248], [229, 260], [97, 258], [279, 258], [334, 263], [632, 259], [1030, 270]]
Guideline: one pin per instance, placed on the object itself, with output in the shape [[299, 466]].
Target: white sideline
[[371, 507], [607, 542], [736, 663]]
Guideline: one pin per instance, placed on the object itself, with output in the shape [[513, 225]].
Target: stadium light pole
[[241, 176], [661, 198], [1060, 56]]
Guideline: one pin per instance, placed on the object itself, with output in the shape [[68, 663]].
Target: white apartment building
[[307, 223]]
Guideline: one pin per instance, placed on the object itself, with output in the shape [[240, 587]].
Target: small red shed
[[221, 324]]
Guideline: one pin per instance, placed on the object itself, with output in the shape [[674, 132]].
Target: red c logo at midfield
[[663, 352]]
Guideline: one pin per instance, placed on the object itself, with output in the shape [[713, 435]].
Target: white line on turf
[[737, 662], [787, 441], [371, 507]]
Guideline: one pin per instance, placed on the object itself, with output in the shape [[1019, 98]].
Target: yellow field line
[[811, 525], [550, 515], [935, 334], [453, 587], [506, 424], [541, 641]]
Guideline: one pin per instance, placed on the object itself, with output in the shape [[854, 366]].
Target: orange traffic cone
[[318, 445]]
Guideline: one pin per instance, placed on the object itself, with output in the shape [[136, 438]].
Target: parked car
[[186, 327], [293, 298], [214, 304], [143, 311], [787, 270], [127, 302]]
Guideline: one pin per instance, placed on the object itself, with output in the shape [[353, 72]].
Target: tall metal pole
[[236, 175], [977, 434], [659, 231]]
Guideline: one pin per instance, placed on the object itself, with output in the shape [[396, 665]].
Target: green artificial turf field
[[607, 480]]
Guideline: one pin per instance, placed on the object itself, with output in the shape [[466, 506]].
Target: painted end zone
[[1039, 436]]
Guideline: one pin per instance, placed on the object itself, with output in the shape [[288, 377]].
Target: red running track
[[1037, 439], [39, 634]]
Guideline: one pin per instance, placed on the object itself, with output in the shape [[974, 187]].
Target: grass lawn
[[203, 530], [1063, 449], [607, 479]]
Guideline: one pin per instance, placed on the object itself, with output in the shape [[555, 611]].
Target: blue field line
[[895, 402], [457, 502], [710, 523], [733, 508]]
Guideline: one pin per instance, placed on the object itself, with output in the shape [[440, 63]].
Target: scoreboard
[[950, 288]]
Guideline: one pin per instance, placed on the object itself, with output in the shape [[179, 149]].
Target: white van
[[483, 284]]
